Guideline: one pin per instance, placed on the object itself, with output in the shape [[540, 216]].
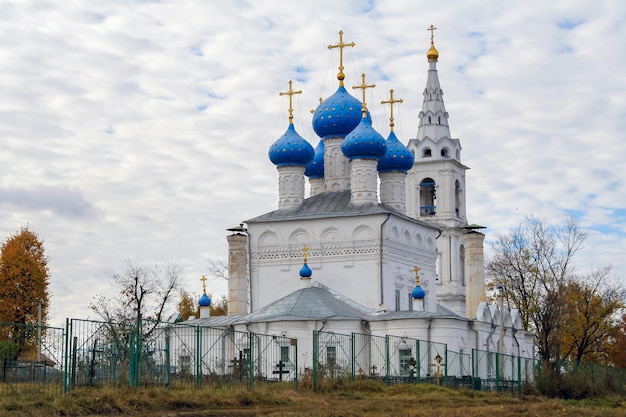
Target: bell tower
[[435, 188]]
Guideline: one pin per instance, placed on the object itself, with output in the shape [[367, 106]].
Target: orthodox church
[[380, 246]]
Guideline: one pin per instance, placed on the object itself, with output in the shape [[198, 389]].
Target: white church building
[[381, 245]]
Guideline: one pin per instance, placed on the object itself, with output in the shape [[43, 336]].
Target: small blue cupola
[[291, 148], [315, 168], [204, 303], [397, 158], [305, 271], [364, 142], [341, 112], [418, 292]]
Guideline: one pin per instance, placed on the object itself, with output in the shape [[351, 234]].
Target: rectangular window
[[284, 354], [407, 362], [331, 355], [185, 364], [410, 302], [397, 300]]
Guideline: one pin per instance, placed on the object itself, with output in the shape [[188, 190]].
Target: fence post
[[73, 372], [251, 360], [198, 356], [168, 376], [66, 347], [445, 368], [315, 355], [387, 361], [296, 366], [473, 365], [352, 358], [519, 375], [419, 361], [497, 372]]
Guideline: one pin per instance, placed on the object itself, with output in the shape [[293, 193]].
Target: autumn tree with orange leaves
[[24, 279]]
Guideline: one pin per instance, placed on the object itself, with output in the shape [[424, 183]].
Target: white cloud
[[140, 130]]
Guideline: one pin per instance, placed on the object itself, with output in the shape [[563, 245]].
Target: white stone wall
[[345, 255]]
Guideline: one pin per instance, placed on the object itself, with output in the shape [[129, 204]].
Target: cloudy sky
[[139, 129]]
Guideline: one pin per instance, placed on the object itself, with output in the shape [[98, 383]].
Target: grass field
[[362, 398]]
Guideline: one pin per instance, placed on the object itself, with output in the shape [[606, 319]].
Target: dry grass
[[362, 398]]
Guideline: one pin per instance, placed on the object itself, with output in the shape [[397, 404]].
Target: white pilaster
[[392, 190], [363, 181], [336, 166], [290, 186]]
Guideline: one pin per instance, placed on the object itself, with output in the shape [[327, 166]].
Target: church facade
[[380, 246]]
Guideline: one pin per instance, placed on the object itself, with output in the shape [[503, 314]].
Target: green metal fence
[[31, 359], [394, 359], [52, 360], [180, 355]]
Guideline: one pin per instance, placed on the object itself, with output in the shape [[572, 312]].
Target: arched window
[[426, 153], [445, 152], [430, 120], [439, 120], [428, 197], [457, 198]]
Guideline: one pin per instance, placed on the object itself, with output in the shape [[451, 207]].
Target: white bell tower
[[435, 189]]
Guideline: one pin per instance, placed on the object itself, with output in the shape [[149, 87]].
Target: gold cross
[[341, 45], [290, 93], [417, 275], [432, 34], [305, 251], [363, 86], [203, 279], [390, 102]]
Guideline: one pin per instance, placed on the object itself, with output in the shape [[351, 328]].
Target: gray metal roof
[[329, 204], [220, 322], [312, 303], [441, 312]]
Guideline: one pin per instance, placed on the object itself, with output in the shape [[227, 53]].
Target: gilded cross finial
[[432, 34], [363, 86], [417, 275], [341, 76], [203, 279], [290, 93], [390, 102], [305, 252]]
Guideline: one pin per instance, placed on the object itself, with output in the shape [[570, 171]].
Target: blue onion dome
[[315, 168], [418, 293], [204, 301], [305, 271], [291, 149], [397, 158], [364, 142], [337, 115]]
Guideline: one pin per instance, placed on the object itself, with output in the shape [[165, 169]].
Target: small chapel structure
[[380, 246]]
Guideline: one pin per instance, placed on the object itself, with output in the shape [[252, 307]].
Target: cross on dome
[[432, 34], [391, 101], [363, 86], [290, 93], [203, 279], [432, 53], [305, 251], [341, 76], [417, 275]]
